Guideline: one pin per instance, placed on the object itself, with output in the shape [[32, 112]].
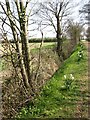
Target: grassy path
[[66, 94], [87, 44]]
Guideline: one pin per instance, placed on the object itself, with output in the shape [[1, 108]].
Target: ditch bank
[[15, 94]]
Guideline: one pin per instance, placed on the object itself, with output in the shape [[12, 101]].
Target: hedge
[[37, 40]]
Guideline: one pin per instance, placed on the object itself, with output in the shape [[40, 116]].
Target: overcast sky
[[75, 16]]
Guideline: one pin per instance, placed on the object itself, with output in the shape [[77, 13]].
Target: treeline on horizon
[[37, 40]]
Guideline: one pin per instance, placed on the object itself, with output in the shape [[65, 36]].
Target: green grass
[[51, 45], [35, 50], [56, 102]]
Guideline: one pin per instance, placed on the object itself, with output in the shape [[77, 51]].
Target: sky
[[75, 16], [49, 32]]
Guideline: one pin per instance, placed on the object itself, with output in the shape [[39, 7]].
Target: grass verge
[[62, 96]]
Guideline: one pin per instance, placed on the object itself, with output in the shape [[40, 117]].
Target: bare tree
[[74, 31], [52, 13], [17, 20]]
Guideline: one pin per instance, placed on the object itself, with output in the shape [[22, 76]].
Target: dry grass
[[14, 92], [31, 46]]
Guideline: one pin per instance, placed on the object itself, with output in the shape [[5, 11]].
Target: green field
[[33, 45]]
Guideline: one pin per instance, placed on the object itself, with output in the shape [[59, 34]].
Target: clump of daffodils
[[70, 76], [68, 81], [80, 55]]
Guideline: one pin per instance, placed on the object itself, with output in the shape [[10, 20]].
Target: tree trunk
[[24, 40], [59, 39], [18, 51]]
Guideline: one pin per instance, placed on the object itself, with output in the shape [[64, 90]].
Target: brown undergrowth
[[15, 95]]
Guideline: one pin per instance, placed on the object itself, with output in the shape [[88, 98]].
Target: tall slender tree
[[74, 31], [16, 19], [52, 13]]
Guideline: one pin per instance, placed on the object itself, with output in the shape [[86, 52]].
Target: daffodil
[[65, 76]]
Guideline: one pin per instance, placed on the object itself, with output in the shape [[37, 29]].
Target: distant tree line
[[36, 40]]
